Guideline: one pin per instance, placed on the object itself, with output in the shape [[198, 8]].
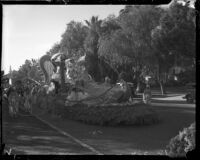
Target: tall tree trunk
[[162, 88]]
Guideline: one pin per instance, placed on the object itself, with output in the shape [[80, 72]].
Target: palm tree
[[91, 46], [94, 24]]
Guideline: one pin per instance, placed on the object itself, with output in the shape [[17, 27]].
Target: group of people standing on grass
[[23, 94]]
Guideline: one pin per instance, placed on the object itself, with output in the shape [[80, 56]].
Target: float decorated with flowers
[[83, 99]]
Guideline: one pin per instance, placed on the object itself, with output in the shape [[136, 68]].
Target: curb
[[69, 136]]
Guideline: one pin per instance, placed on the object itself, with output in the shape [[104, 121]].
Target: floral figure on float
[[81, 87], [76, 75]]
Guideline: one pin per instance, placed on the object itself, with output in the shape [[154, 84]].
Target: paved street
[[28, 135]]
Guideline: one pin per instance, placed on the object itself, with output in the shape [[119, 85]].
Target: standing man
[[147, 92], [20, 89]]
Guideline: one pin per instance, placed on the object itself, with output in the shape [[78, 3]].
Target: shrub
[[187, 76], [183, 142], [110, 115]]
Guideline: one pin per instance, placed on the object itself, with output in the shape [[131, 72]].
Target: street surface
[[28, 135]]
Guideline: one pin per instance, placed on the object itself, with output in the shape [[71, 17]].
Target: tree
[[127, 46], [72, 42], [91, 47], [105, 50], [108, 26], [55, 49], [176, 23], [28, 70], [173, 40]]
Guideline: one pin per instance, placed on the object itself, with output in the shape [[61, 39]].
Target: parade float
[[83, 99], [74, 80]]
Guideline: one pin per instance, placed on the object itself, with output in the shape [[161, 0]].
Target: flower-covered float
[[85, 100]]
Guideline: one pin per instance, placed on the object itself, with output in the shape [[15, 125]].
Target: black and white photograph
[[99, 79]]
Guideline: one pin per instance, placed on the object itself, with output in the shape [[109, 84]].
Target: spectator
[[147, 95], [107, 80]]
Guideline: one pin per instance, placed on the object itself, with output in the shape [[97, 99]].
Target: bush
[[110, 115], [187, 76], [183, 142]]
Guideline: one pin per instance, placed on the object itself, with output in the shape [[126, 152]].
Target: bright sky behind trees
[[29, 31]]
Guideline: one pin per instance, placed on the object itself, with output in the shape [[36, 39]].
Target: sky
[[29, 31]]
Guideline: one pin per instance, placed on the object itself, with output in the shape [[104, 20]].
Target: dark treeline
[[142, 40]]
